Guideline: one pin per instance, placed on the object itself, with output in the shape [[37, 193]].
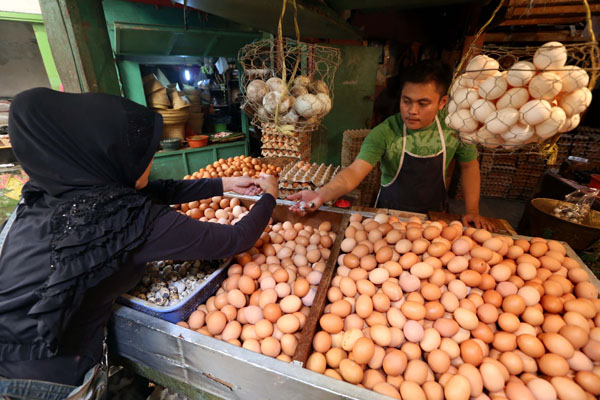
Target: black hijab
[[83, 154]]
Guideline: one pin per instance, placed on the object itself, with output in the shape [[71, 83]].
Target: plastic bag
[[578, 205]]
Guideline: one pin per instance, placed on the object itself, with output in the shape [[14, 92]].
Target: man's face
[[419, 104]]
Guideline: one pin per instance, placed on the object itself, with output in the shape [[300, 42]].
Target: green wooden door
[[354, 86]]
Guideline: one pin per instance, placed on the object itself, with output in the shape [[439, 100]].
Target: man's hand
[[241, 185], [268, 184], [478, 221], [306, 201]]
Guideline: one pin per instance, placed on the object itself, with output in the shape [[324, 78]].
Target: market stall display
[[235, 166], [432, 309]]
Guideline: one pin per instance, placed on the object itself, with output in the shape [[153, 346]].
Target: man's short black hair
[[429, 71]]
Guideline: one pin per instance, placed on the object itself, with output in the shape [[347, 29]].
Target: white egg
[[575, 102], [588, 96], [481, 67], [462, 121], [520, 73], [326, 100], [462, 81], [519, 132], [493, 87], [256, 90], [482, 109], [550, 127], [465, 97], [452, 106], [487, 138], [545, 86], [275, 84], [535, 112], [514, 98], [468, 137], [551, 55], [573, 78], [570, 123], [500, 121]]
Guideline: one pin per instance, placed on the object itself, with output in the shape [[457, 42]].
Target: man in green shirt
[[414, 148]]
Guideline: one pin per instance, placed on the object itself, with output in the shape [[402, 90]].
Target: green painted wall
[[354, 86]]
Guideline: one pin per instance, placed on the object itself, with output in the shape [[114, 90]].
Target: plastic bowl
[[170, 144], [198, 141]]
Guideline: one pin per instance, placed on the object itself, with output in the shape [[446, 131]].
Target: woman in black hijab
[[88, 222]]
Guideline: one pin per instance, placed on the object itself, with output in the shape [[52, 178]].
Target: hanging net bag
[[517, 98], [287, 84]]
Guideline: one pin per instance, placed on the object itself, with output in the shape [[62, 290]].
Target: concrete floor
[[510, 210]]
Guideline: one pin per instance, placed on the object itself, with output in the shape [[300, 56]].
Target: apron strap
[[8, 225]]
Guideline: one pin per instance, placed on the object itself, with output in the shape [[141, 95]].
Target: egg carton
[[295, 185], [281, 153]]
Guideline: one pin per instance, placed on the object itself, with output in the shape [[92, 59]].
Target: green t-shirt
[[384, 144]]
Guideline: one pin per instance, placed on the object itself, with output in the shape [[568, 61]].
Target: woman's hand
[[241, 185], [268, 184]]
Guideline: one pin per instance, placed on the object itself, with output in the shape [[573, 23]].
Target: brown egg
[[331, 323], [272, 312], [384, 254], [589, 381], [334, 356], [289, 323], [557, 344], [513, 304], [538, 249], [471, 352], [413, 310], [351, 261], [575, 335], [215, 322], [446, 327], [530, 345], [433, 310], [553, 365], [351, 371]]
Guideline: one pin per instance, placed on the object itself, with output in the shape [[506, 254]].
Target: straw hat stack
[[196, 115], [174, 107]]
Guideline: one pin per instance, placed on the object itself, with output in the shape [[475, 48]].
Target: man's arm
[[345, 181], [471, 179]]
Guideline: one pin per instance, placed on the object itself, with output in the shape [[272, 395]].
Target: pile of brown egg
[[219, 209], [235, 166], [433, 311], [265, 300]]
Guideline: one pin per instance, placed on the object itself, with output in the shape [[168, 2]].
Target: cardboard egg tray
[[302, 175], [294, 144]]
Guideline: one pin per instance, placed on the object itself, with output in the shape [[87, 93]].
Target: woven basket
[[158, 99], [171, 117], [174, 131], [151, 84], [369, 187]]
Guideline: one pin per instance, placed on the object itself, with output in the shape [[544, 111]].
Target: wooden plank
[[544, 21], [519, 12], [543, 3], [563, 36], [318, 306]]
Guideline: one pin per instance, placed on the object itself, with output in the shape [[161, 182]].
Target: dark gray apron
[[420, 182]]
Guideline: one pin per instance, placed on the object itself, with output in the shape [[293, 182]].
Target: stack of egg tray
[[294, 144], [302, 175]]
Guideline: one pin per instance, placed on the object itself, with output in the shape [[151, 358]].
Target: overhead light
[[186, 75]]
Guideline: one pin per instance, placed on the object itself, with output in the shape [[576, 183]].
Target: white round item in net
[[272, 98], [493, 87], [465, 97], [535, 112], [275, 84], [573, 78], [482, 109], [514, 98], [256, 90], [519, 133], [520, 73], [551, 55], [324, 98], [545, 86], [550, 127], [500, 121], [462, 121], [575, 102], [308, 105], [301, 80], [481, 67], [298, 91], [570, 124], [485, 137]]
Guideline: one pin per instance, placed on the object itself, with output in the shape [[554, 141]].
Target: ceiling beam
[[315, 20], [396, 4]]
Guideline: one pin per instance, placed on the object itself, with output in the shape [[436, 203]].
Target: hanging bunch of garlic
[[529, 102]]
